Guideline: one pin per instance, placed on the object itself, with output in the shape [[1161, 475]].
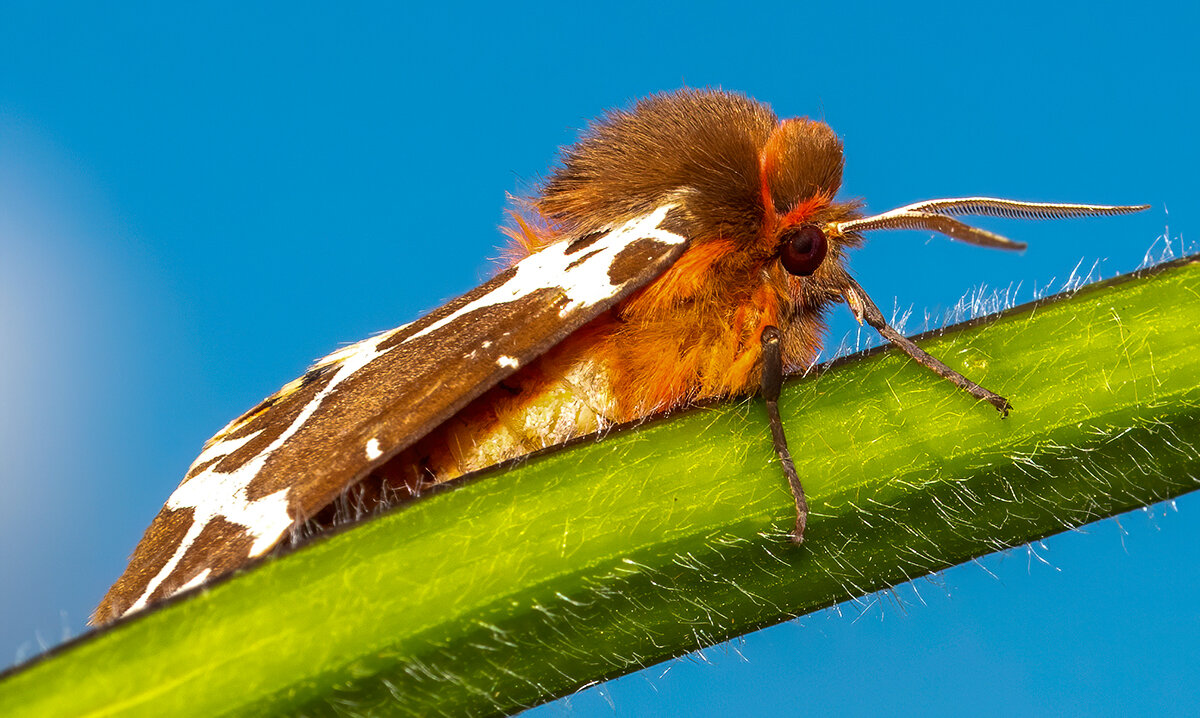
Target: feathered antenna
[[938, 215]]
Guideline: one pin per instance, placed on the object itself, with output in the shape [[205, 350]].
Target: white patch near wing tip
[[508, 362], [212, 494], [373, 450]]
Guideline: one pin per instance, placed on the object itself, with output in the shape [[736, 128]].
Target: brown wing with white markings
[[289, 457]]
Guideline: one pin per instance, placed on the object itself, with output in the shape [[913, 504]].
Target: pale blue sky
[[196, 202]]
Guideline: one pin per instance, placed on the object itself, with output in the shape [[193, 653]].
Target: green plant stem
[[591, 562]]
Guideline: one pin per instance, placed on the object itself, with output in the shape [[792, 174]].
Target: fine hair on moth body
[[686, 248]]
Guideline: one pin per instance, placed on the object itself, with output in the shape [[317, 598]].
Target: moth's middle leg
[[772, 382]]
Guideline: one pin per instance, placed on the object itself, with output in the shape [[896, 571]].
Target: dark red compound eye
[[803, 249]]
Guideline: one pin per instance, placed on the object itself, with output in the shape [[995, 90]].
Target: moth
[[684, 249]]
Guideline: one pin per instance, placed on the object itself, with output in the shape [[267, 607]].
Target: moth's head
[[800, 172]]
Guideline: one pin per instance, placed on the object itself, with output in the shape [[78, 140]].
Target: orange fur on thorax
[[692, 333], [686, 336]]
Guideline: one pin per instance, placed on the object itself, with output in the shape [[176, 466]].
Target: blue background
[[195, 203]]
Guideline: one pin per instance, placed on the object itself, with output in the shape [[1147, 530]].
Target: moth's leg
[[772, 381], [865, 309]]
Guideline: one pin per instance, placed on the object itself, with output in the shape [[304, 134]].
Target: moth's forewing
[[292, 455]]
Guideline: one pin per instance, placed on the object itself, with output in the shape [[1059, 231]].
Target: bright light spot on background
[[62, 297]]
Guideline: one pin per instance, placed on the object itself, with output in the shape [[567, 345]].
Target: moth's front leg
[[772, 382], [865, 310]]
